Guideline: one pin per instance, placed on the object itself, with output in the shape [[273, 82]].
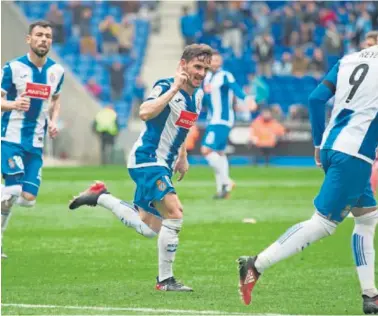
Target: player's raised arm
[[161, 95], [317, 104]]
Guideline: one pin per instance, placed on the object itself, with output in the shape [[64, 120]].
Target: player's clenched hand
[[181, 77], [317, 157], [22, 103], [53, 129], [182, 167]]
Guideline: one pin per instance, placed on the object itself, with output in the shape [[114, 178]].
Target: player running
[[171, 109], [345, 150], [220, 87], [30, 104]]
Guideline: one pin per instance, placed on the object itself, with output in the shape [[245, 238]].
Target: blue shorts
[[346, 185], [216, 137], [152, 184], [19, 166]]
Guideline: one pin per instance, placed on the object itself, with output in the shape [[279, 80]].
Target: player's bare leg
[[172, 211], [9, 195], [366, 220], [97, 194]]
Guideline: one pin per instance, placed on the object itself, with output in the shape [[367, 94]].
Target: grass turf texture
[[88, 258]]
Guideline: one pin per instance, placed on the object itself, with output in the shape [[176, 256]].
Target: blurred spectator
[[93, 87], [374, 15], [139, 92], [108, 30], [284, 66], [298, 113], [210, 18], [300, 63], [106, 126], [190, 26], [342, 15], [125, 34], [352, 40], [55, 17], [117, 80], [363, 26], [261, 14], [289, 24], [264, 52], [317, 65], [294, 39], [332, 41], [327, 17], [311, 14], [259, 89], [264, 134], [306, 34], [233, 28], [76, 11], [277, 112], [87, 41]]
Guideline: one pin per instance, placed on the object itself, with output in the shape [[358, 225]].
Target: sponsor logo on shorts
[[187, 119], [38, 91], [161, 185]]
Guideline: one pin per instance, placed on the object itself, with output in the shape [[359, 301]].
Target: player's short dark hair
[[200, 51], [372, 34], [41, 23]]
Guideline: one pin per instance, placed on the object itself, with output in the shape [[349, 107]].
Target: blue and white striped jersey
[[162, 136], [20, 75], [353, 126], [220, 88]]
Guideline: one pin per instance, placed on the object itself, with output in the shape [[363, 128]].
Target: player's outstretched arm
[[317, 104], [152, 108]]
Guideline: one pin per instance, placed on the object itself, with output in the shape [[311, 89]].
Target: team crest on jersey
[[11, 163], [38, 90], [186, 119], [161, 185]]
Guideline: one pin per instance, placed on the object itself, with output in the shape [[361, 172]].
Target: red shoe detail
[[246, 286]]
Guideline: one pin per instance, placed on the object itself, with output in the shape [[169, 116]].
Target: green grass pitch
[[88, 258]]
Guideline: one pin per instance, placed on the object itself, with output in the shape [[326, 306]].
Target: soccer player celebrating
[[220, 87], [30, 90], [171, 109], [345, 150]]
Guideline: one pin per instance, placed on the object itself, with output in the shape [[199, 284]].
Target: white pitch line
[[143, 310]]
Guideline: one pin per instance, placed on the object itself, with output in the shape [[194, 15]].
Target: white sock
[[294, 240], [364, 252], [9, 195], [167, 246], [215, 162], [225, 170], [126, 213]]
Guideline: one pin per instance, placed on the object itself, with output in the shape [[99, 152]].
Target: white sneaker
[[3, 256]]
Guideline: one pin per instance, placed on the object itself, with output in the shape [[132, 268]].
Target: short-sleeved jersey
[[353, 126], [162, 136], [220, 88], [20, 75]]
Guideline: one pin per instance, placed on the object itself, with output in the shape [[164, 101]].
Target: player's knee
[[325, 226], [26, 200], [205, 150], [28, 196], [175, 212]]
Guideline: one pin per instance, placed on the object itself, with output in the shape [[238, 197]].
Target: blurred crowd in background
[[297, 41]]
